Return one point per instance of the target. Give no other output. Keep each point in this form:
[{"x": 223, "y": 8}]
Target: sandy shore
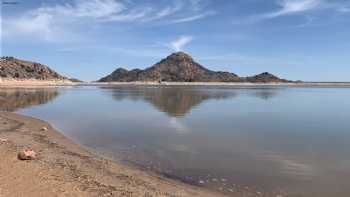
[
  {"x": 34, "y": 82},
  {"x": 42, "y": 83},
  {"x": 63, "y": 168}
]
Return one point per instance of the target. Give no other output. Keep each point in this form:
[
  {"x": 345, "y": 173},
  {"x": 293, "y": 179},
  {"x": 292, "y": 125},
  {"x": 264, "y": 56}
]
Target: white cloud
[
  {"x": 86, "y": 8},
  {"x": 50, "y": 22},
  {"x": 53, "y": 23},
  {"x": 180, "y": 43},
  {"x": 132, "y": 15},
  {"x": 38, "y": 24},
  {"x": 294, "y": 6},
  {"x": 288, "y": 7},
  {"x": 167, "y": 11},
  {"x": 195, "y": 17}
]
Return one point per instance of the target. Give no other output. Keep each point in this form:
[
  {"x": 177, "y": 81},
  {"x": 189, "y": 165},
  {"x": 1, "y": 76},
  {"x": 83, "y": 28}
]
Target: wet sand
[{"x": 63, "y": 168}]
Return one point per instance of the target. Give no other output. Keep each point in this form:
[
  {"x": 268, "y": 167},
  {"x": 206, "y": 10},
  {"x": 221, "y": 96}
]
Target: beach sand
[
  {"x": 8, "y": 82},
  {"x": 63, "y": 168}
]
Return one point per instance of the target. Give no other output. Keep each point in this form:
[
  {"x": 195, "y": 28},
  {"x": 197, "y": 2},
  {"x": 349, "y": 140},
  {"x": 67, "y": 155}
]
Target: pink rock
[{"x": 27, "y": 154}]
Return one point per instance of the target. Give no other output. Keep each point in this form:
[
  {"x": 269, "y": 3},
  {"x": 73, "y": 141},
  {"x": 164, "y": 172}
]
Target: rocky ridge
[
  {"x": 180, "y": 67},
  {"x": 13, "y": 68}
]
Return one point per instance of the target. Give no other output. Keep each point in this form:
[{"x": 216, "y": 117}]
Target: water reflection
[
  {"x": 265, "y": 94},
  {"x": 14, "y": 99},
  {"x": 175, "y": 101},
  {"x": 218, "y": 137}
]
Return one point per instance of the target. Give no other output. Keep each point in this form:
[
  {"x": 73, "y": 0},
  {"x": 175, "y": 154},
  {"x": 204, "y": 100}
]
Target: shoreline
[
  {"x": 57, "y": 83},
  {"x": 226, "y": 84},
  {"x": 4, "y": 82},
  {"x": 65, "y": 168}
]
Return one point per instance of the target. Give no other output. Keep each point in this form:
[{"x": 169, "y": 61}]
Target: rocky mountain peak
[
  {"x": 179, "y": 57},
  {"x": 181, "y": 67},
  {"x": 266, "y": 74},
  {"x": 120, "y": 70}
]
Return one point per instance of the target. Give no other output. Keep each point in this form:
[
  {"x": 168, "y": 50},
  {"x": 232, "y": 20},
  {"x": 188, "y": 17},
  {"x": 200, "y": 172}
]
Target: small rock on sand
[
  {"x": 27, "y": 154},
  {"x": 3, "y": 140},
  {"x": 44, "y": 128}
]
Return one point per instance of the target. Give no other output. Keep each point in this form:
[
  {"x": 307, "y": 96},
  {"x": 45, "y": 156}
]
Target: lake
[{"x": 276, "y": 141}]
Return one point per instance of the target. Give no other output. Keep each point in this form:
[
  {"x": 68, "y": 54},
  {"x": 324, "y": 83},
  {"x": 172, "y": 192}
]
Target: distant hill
[
  {"x": 13, "y": 68},
  {"x": 75, "y": 80},
  {"x": 265, "y": 78},
  {"x": 180, "y": 67}
]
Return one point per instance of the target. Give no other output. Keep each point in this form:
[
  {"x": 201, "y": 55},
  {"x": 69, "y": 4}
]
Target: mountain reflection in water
[
  {"x": 14, "y": 99},
  {"x": 179, "y": 100},
  {"x": 274, "y": 140}
]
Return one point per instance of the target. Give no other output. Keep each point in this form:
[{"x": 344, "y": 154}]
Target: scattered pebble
[
  {"x": 27, "y": 154},
  {"x": 201, "y": 182},
  {"x": 44, "y": 129},
  {"x": 3, "y": 140}
]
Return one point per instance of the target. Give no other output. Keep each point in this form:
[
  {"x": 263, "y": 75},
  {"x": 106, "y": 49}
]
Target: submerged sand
[{"x": 63, "y": 168}]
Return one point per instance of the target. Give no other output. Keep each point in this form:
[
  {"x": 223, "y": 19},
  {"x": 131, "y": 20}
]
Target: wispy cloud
[
  {"x": 36, "y": 26},
  {"x": 194, "y": 17},
  {"x": 180, "y": 43},
  {"x": 48, "y": 22},
  {"x": 87, "y": 9},
  {"x": 53, "y": 23},
  {"x": 296, "y": 7},
  {"x": 167, "y": 11}
]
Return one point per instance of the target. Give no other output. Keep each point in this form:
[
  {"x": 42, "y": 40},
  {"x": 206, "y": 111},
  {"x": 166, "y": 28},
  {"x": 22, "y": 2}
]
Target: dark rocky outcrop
[
  {"x": 11, "y": 67},
  {"x": 265, "y": 78},
  {"x": 180, "y": 67}
]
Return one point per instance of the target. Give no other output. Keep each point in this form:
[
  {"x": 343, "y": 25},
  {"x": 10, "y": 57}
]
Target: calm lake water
[{"x": 274, "y": 141}]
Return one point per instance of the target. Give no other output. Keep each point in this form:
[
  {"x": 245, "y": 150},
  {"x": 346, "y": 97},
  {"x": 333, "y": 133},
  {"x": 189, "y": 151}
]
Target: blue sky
[{"x": 87, "y": 39}]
